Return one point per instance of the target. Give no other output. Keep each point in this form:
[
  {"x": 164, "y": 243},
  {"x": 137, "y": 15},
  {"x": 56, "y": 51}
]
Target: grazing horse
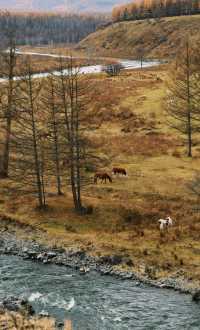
[
  {"x": 119, "y": 170},
  {"x": 103, "y": 177},
  {"x": 165, "y": 223}
]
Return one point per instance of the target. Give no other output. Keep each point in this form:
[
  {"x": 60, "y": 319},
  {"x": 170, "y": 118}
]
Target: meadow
[{"x": 128, "y": 128}]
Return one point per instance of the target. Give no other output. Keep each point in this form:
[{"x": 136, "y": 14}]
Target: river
[
  {"x": 95, "y": 302},
  {"x": 90, "y": 69}
]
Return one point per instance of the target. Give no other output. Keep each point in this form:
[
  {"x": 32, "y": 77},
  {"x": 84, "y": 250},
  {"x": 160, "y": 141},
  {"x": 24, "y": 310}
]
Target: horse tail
[{"x": 109, "y": 178}]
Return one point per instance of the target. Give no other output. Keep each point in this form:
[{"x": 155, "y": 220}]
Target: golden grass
[
  {"x": 129, "y": 130},
  {"x": 13, "y": 321},
  {"x": 16, "y": 321}
]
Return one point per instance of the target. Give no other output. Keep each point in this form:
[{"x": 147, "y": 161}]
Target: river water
[
  {"x": 90, "y": 69},
  {"x": 95, "y": 302}
]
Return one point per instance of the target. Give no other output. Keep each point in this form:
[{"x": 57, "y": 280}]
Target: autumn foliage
[{"x": 142, "y": 9}]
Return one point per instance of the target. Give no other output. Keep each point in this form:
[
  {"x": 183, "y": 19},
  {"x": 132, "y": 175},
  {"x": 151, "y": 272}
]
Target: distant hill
[
  {"x": 60, "y": 5},
  {"x": 154, "y": 38}
]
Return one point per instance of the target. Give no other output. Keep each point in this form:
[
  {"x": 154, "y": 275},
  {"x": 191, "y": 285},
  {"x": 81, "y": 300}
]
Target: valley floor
[{"x": 128, "y": 129}]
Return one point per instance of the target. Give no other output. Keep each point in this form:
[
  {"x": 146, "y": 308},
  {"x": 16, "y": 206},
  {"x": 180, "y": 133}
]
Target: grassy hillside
[
  {"x": 129, "y": 130},
  {"x": 157, "y": 39}
]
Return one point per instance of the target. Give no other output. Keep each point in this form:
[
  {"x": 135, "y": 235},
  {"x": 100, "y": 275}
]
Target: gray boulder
[
  {"x": 196, "y": 296},
  {"x": 14, "y": 304}
]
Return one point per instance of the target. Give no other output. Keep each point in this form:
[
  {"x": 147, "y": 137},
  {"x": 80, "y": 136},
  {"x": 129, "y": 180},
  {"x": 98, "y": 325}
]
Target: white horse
[{"x": 165, "y": 223}]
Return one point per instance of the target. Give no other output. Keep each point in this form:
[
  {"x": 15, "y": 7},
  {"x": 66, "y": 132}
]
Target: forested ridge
[
  {"x": 48, "y": 28},
  {"x": 143, "y": 9}
]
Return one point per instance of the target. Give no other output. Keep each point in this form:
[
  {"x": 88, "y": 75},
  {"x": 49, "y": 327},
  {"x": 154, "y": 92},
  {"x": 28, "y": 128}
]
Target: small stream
[{"x": 95, "y": 302}]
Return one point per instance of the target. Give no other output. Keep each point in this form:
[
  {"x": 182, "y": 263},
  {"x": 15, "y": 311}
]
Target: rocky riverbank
[
  {"x": 78, "y": 259},
  {"x": 18, "y": 313},
  {"x": 17, "y": 305}
]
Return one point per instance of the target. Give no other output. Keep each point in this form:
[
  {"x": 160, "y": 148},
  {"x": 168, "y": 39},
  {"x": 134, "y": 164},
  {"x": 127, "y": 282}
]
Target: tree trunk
[
  {"x": 6, "y": 151},
  {"x": 35, "y": 147},
  {"x": 189, "y": 126},
  {"x": 77, "y": 145},
  {"x": 55, "y": 137}
]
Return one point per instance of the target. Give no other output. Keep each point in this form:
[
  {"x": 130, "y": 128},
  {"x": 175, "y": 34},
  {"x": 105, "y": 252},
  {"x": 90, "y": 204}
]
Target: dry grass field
[{"x": 128, "y": 129}]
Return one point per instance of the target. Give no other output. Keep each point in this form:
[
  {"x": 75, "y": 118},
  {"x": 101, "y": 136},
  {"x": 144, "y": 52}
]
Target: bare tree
[
  {"x": 140, "y": 56},
  {"x": 54, "y": 127},
  {"x": 72, "y": 93},
  {"x": 194, "y": 185},
  {"x": 8, "y": 92},
  {"x": 182, "y": 95},
  {"x": 28, "y": 142}
]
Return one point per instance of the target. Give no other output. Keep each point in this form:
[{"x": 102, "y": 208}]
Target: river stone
[
  {"x": 128, "y": 261},
  {"x": 8, "y": 249},
  {"x": 2, "y": 242},
  {"x": 126, "y": 276},
  {"x": 14, "y": 304},
  {"x": 60, "y": 324},
  {"x": 111, "y": 260},
  {"x": 105, "y": 270},
  {"x": 79, "y": 253},
  {"x": 44, "y": 314},
  {"x": 40, "y": 256},
  {"x": 32, "y": 253},
  {"x": 196, "y": 296},
  {"x": 84, "y": 270},
  {"x": 51, "y": 255},
  {"x": 59, "y": 249}
]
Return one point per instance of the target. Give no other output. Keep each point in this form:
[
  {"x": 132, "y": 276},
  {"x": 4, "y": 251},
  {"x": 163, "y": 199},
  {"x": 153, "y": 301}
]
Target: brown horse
[
  {"x": 119, "y": 170},
  {"x": 103, "y": 177}
]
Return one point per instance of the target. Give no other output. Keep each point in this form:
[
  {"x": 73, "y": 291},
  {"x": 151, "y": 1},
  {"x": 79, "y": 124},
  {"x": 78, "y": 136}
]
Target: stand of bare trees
[
  {"x": 71, "y": 92},
  {"x": 28, "y": 145},
  {"x": 51, "y": 113},
  {"x": 42, "y": 125},
  {"x": 48, "y": 146},
  {"x": 48, "y": 28}
]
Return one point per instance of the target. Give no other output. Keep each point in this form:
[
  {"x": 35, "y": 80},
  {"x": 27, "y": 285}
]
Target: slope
[{"x": 154, "y": 38}]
